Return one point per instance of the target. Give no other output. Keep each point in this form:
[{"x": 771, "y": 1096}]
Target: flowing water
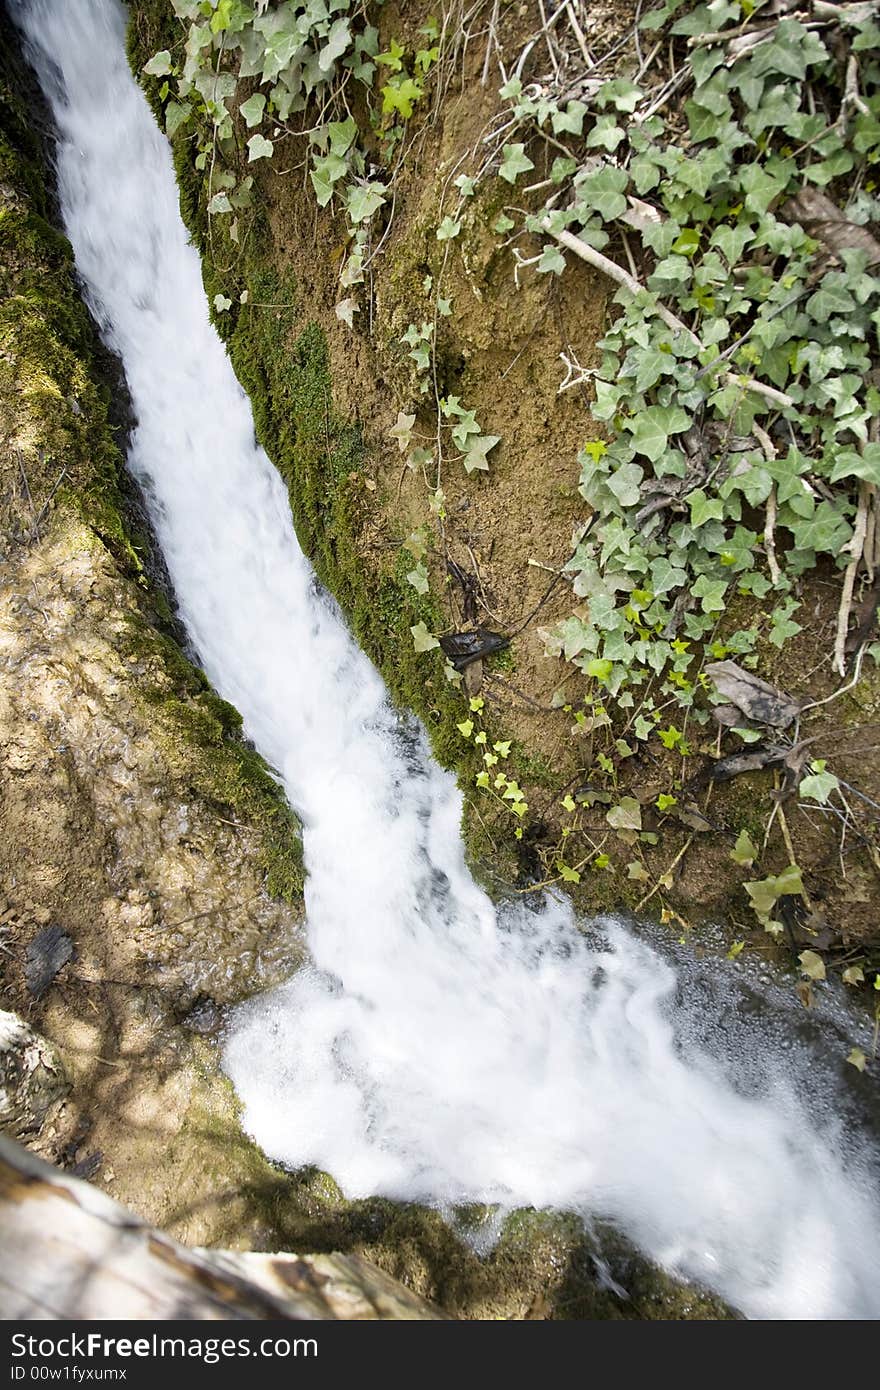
[{"x": 437, "y": 1048}]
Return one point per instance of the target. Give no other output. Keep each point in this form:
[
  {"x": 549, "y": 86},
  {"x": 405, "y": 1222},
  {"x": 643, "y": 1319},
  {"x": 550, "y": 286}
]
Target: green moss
[{"x": 56, "y": 384}]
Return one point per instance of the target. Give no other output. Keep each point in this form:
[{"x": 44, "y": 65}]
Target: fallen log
[{"x": 68, "y": 1251}]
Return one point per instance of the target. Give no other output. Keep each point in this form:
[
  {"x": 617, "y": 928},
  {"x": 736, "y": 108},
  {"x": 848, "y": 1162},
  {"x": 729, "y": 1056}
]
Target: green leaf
[
  {"x": 475, "y": 458},
  {"x": 745, "y": 851},
  {"x": 448, "y": 229},
  {"x": 176, "y": 112},
  {"x": 819, "y": 784},
  {"x": 259, "y": 148},
  {"x": 625, "y": 816},
  {"x": 551, "y": 261},
  {"x": 423, "y": 640},
  {"x": 625, "y": 483},
  {"x": 221, "y": 303},
  {"x": 364, "y": 199},
  {"x": 652, "y": 427},
  {"x": 866, "y": 465},
  {"x": 400, "y": 95},
  {"x": 392, "y": 59},
  {"x": 160, "y": 64},
  {"x": 829, "y": 299},
  {"x": 704, "y": 508},
  {"x": 710, "y": 593},
  {"x": 666, "y": 576},
  {"x": 606, "y": 134},
  {"x": 571, "y": 120},
  {"x": 338, "y": 42},
  {"x": 253, "y": 109},
  {"x": 603, "y": 192},
  {"x": 418, "y": 578},
  {"x": 341, "y": 135},
  {"x": 514, "y": 161}
]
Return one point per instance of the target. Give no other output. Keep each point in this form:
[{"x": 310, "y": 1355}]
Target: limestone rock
[{"x": 32, "y": 1078}]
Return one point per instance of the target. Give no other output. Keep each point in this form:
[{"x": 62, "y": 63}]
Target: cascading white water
[{"x": 436, "y": 1049}]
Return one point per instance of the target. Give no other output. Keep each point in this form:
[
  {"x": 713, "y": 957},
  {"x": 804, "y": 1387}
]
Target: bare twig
[
  {"x": 855, "y": 548},
  {"x": 770, "y": 537}
]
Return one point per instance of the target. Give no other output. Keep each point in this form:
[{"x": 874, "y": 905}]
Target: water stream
[{"x": 437, "y": 1047}]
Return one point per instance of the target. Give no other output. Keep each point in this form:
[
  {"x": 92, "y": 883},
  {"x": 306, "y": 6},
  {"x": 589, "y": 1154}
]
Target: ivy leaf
[
  {"x": 857, "y": 1058},
  {"x": 423, "y": 640},
  {"x": 603, "y": 192},
  {"x": 745, "y": 851},
  {"x": 812, "y": 965},
  {"x": 829, "y": 299},
  {"x": 710, "y": 592},
  {"x": 364, "y": 199},
  {"x": 465, "y": 426},
  {"x": 704, "y": 508},
  {"x": 176, "y": 112},
  {"x": 625, "y": 816},
  {"x": 827, "y": 530},
  {"x": 475, "y": 458},
  {"x": 503, "y": 224},
  {"x": 219, "y": 203},
  {"x": 401, "y": 430},
  {"x": 819, "y": 784},
  {"x": 666, "y": 576},
  {"x": 160, "y": 64},
  {"x": 346, "y": 310},
  {"x": 853, "y": 975},
  {"x": 259, "y": 148},
  {"x": 338, "y": 42},
  {"x": 253, "y": 109},
  {"x": 418, "y": 578},
  {"x": 571, "y": 120},
  {"x": 341, "y": 135},
  {"x": 606, "y": 134},
  {"x": 448, "y": 229},
  {"x": 221, "y": 303},
  {"x": 552, "y": 260},
  {"x": 652, "y": 427},
  {"x": 401, "y": 95},
  {"x": 625, "y": 483},
  {"x": 866, "y": 465},
  {"x": 514, "y": 161},
  {"x": 393, "y": 58}
]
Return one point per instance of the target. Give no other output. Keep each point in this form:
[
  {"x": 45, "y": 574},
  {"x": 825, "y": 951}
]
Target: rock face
[{"x": 32, "y": 1077}]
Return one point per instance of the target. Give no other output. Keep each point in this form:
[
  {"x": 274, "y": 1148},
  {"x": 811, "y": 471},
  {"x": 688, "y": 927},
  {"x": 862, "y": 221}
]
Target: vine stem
[{"x": 855, "y": 548}]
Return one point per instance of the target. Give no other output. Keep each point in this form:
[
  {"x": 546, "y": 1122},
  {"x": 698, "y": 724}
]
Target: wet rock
[
  {"x": 32, "y": 1078},
  {"x": 48, "y": 953},
  {"x": 204, "y": 1017}
]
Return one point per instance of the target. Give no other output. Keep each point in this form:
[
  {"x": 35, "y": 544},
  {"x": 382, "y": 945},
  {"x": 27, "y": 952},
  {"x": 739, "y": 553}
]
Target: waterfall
[{"x": 437, "y": 1047}]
